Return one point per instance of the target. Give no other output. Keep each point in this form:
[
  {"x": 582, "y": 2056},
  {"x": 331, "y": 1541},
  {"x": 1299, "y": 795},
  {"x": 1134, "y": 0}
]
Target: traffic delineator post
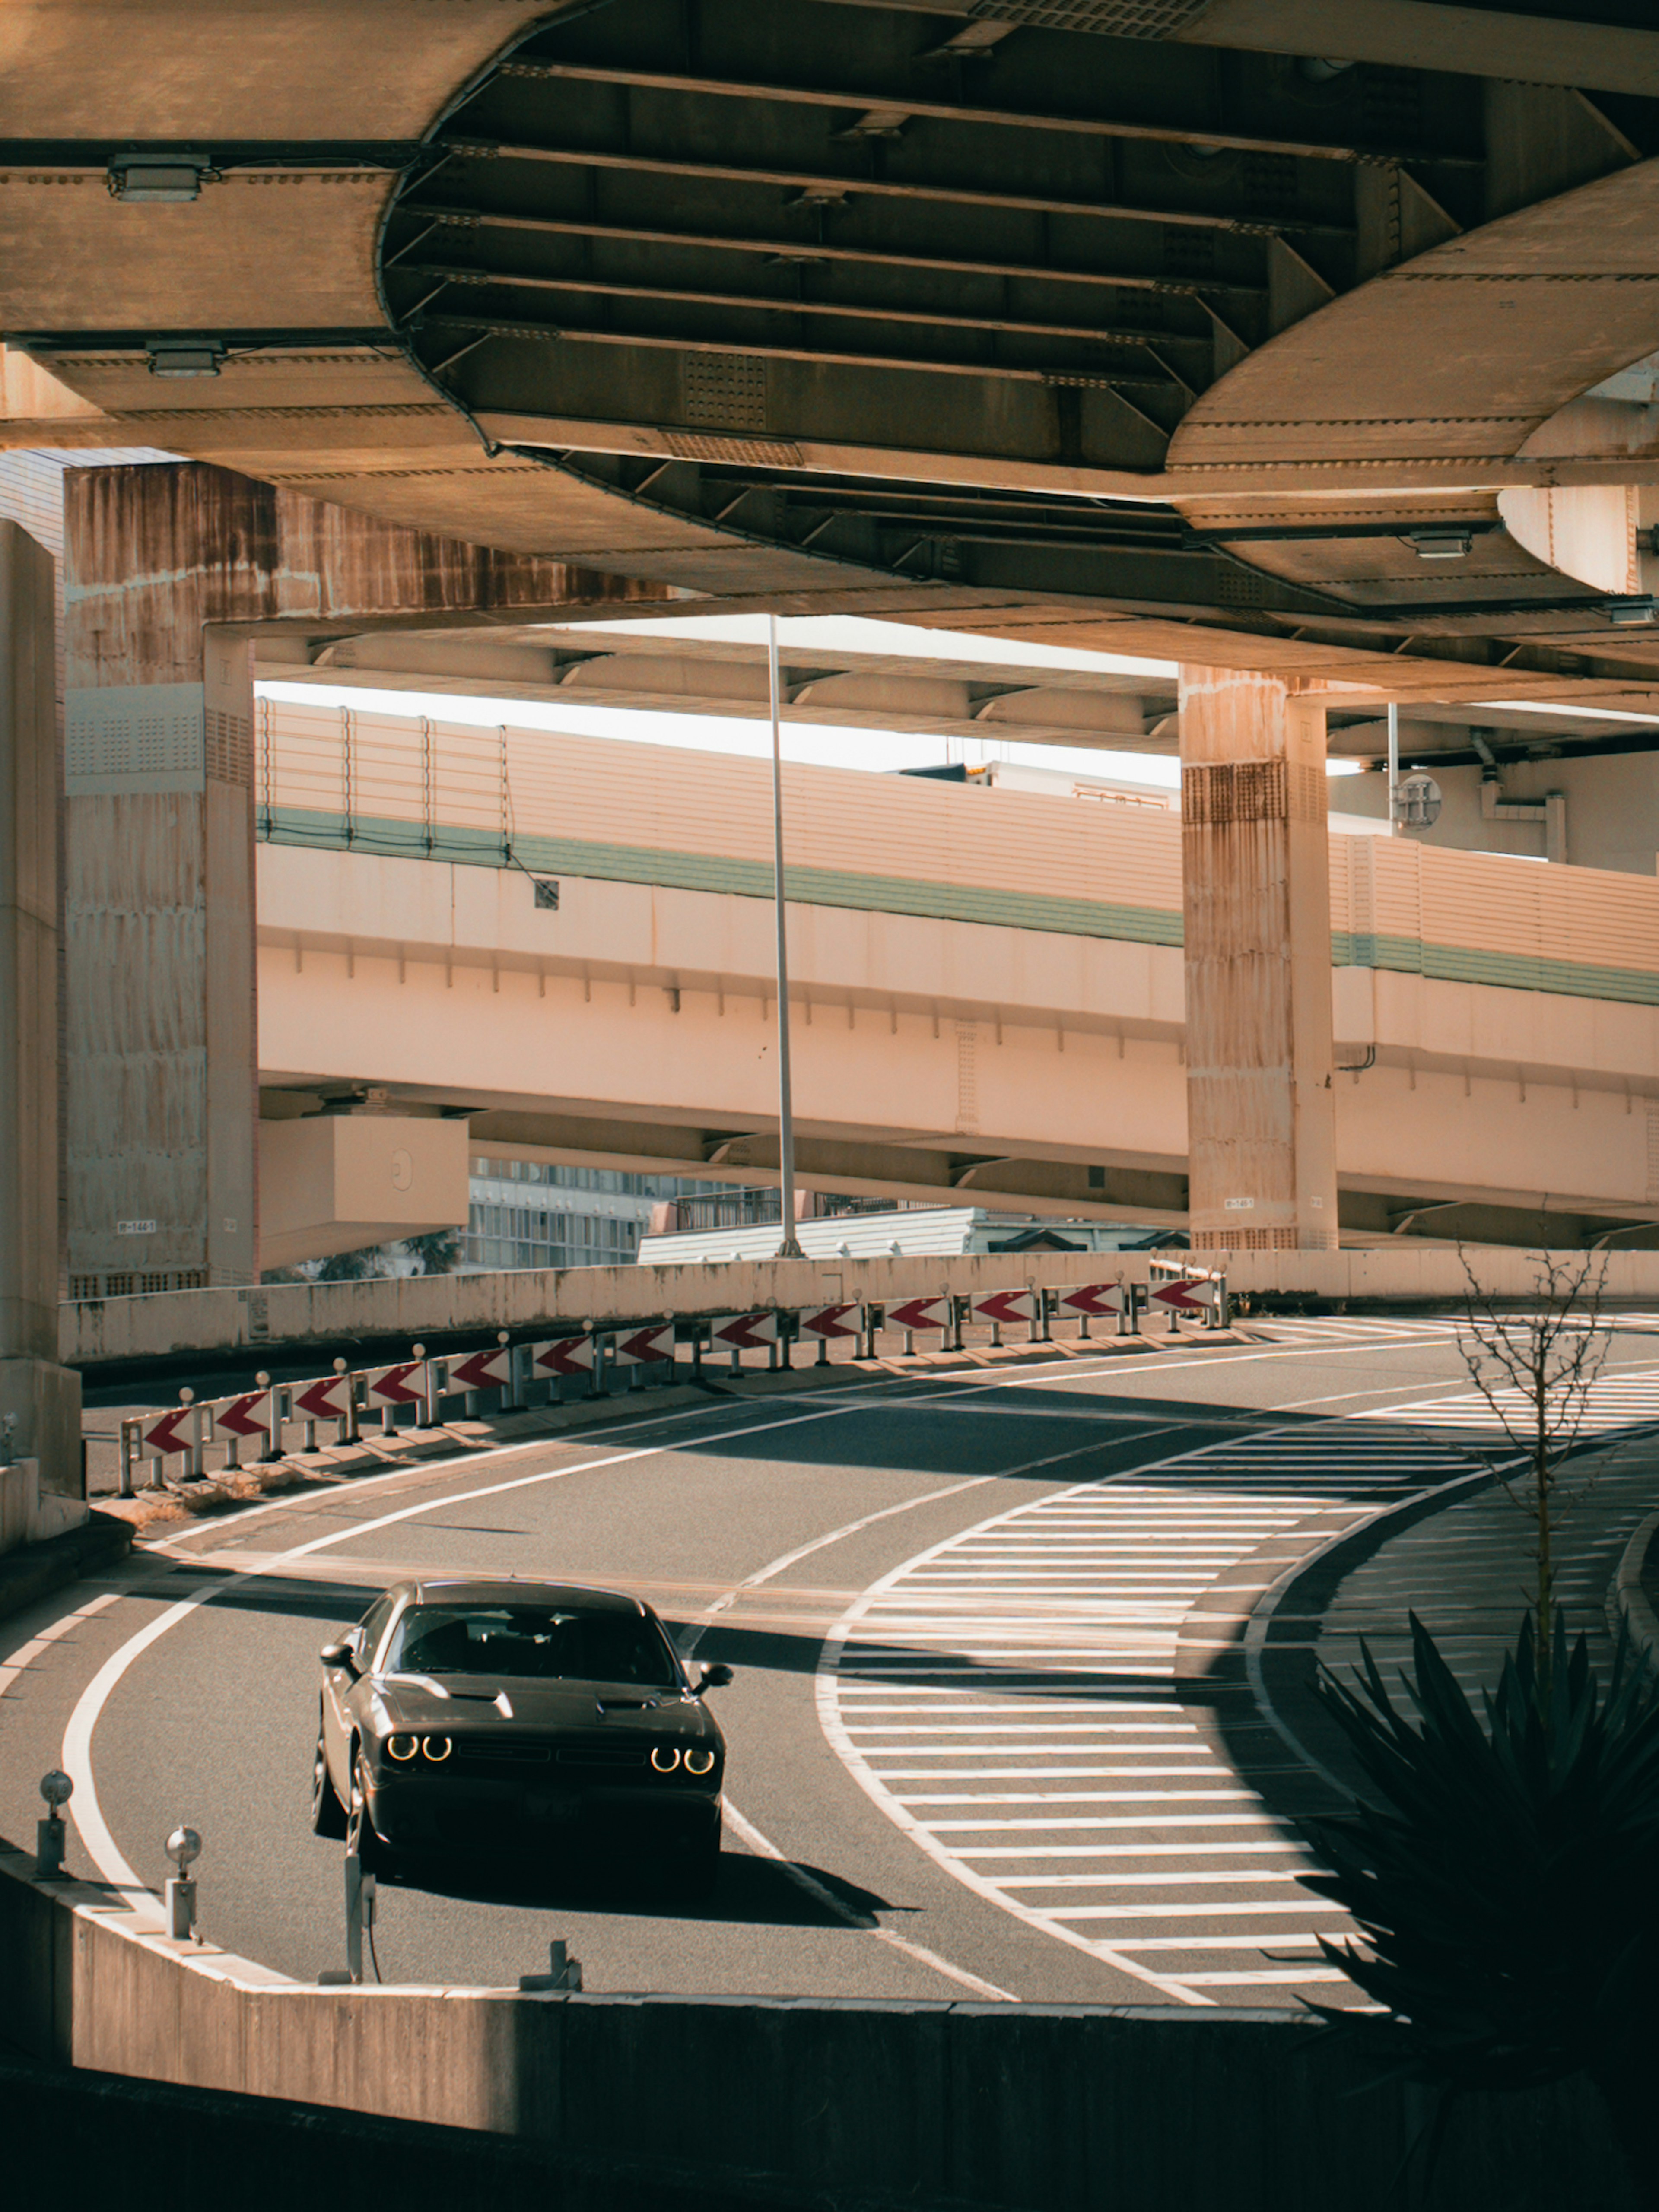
[
  {"x": 482, "y": 1370},
  {"x": 328, "y": 1398},
  {"x": 252, "y": 1414},
  {"x": 644, "y": 1348},
  {"x": 829, "y": 1323},
  {"x": 175, "y": 1432},
  {"x": 998, "y": 1307},
  {"x": 1093, "y": 1301},
  {"x": 741, "y": 1332},
  {"x": 912, "y": 1314},
  {"x": 405, "y": 1384}
]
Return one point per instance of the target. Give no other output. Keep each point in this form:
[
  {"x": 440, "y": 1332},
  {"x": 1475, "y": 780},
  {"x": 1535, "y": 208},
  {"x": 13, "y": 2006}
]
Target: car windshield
[{"x": 537, "y": 1643}]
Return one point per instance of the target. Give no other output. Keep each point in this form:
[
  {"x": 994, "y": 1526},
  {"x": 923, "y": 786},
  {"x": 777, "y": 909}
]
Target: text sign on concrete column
[
  {"x": 397, "y": 1386},
  {"x": 564, "y": 1355},
  {"x": 1092, "y": 1299},
  {"x": 165, "y": 1435},
  {"x": 830, "y": 1322},
  {"x": 483, "y": 1370},
  {"x": 327, "y": 1401},
  {"x": 919, "y": 1313},
  {"x": 745, "y": 1332},
  {"x": 1004, "y": 1306},
  {"x": 642, "y": 1347},
  {"x": 243, "y": 1417}
]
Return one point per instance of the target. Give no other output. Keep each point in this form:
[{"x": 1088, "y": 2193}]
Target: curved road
[{"x": 989, "y": 1733}]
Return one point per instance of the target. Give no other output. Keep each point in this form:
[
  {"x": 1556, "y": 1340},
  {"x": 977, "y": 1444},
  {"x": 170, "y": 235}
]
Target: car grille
[
  {"x": 500, "y": 1751},
  {"x": 516, "y": 1753}
]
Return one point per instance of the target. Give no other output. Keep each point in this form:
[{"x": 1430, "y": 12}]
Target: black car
[{"x": 457, "y": 1714}]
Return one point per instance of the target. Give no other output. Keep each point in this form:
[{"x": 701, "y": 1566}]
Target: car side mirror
[
  {"x": 341, "y": 1654},
  {"x": 713, "y": 1678}
]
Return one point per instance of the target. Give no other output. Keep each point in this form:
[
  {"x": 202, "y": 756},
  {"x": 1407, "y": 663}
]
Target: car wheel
[
  {"x": 362, "y": 1839},
  {"x": 328, "y": 1816}
]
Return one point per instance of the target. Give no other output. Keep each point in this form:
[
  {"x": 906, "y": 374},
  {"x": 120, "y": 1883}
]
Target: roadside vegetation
[{"x": 1499, "y": 1857}]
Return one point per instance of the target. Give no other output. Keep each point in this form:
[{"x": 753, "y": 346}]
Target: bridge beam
[
  {"x": 39, "y": 1400},
  {"x": 1255, "y": 862}
]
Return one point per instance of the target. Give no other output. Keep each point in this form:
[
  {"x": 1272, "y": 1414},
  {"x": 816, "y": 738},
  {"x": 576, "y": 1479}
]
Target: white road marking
[
  {"x": 1089, "y": 1588},
  {"x": 95, "y": 1829}
]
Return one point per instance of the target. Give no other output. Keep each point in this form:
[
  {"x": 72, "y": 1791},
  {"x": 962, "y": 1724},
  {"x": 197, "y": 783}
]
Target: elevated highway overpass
[
  {"x": 987, "y": 989},
  {"x": 1142, "y": 325}
]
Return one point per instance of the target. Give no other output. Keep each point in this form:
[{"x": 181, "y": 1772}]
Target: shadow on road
[{"x": 753, "y": 1892}]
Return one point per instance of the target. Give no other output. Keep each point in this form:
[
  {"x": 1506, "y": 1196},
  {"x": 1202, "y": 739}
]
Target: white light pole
[{"x": 789, "y": 1248}]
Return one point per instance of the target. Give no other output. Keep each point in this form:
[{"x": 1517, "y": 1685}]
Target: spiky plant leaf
[{"x": 1502, "y": 1865}]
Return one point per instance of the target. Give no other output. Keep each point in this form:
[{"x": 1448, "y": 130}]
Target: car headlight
[
  {"x": 436, "y": 1748},
  {"x": 403, "y": 1748},
  {"x": 665, "y": 1757},
  {"x": 699, "y": 1762}
]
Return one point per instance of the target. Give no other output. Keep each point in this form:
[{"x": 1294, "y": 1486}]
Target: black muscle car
[{"x": 460, "y": 1714}]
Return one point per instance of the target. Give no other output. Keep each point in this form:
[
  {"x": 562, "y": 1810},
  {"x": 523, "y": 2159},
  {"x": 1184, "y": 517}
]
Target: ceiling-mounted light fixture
[
  {"x": 183, "y": 356},
  {"x": 160, "y": 177},
  {"x": 1450, "y": 544}
]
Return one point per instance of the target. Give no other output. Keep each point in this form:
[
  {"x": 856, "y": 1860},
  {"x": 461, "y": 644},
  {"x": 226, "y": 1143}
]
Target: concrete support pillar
[
  {"x": 39, "y": 1400},
  {"x": 162, "y": 1091},
  {"x": 1256, "y": 901}
]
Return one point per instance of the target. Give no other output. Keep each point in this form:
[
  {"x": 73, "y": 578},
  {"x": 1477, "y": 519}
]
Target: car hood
[{"x": 453, "y": 1702}]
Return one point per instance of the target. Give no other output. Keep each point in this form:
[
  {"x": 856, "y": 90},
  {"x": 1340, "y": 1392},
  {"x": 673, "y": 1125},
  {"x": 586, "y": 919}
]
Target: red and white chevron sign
[
  {"x": 750, "y": 1331},
  {"x": 1179, "y": 1296},
  {"x": 1004, "y": 1306},
  {"x": 919, "y": 1313},
  {"x": 1093, "y": 1298},
  {"x": 172, "y": 1433},
  {"x": 244, "y": 1417},
  {"x": 829, "y": 1321},
  {"x": 397, "y": 1386},
  {"x": 327, "y": 1401},
  {"x": 564, "y": 1355},
  {"x": 482, "y": 1370},
  {"x": 642, "y": 1347}
]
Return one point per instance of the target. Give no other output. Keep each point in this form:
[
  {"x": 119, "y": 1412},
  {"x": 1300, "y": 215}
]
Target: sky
[{"x": 817, "y": 744}]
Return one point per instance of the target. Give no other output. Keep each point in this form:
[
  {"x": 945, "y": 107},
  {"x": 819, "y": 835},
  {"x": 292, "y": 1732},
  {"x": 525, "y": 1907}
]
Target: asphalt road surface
[{"x": 988, "y": 1735}]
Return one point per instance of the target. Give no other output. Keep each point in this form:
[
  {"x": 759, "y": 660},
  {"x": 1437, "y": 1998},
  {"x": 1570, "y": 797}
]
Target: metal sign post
[{"x": 789, "y": 1247}]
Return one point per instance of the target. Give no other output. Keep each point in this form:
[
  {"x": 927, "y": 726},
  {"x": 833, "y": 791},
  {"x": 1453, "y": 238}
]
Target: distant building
[
  {"x": 533, "y": 1213},
  {"x": 905, "y": 1232}
]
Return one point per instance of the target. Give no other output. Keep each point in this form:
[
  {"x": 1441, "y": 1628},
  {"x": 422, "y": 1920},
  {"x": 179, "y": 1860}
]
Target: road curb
[
  {"x": 1628, "y": 1609},
  {"x": 39, "y": 1569}
]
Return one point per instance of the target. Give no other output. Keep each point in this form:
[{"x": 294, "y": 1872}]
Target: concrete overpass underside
[
  {"x": 1136, "y": 325},
  {"x": 1143, "y": 326}
]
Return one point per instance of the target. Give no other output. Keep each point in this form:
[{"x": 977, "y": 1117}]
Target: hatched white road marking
[{"x": 1039, "y": 1649}]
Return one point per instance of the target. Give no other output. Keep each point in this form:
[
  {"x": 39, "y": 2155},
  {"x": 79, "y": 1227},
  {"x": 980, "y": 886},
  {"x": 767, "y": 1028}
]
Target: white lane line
[
  {"x": 764, "y": 1848},
  {"x": 77, "y": 1759},
  {"x": 77, "y": 1744},
  {"x": 95, "y": 1829}
]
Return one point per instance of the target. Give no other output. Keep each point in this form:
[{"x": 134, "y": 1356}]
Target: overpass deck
[{"x": 1498, "y": 1020}]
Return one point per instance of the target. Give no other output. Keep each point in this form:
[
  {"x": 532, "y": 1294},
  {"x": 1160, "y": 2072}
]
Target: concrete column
[
  {"x": 39, "y": 1400},
  {"x": 1261, "y": 1137},
  {"x": 163, "y": 1092}
]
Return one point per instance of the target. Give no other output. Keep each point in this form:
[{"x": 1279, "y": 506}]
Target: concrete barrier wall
[
  {"x": 335, "y": 1316},
  {"x": 30, "y": 1515},
  {"x": 1064, "y": 2108}
]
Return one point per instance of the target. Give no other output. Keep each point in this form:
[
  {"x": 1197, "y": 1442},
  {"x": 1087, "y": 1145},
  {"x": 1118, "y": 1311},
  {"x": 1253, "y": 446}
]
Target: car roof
[{"x": 572, "y": 1597}]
